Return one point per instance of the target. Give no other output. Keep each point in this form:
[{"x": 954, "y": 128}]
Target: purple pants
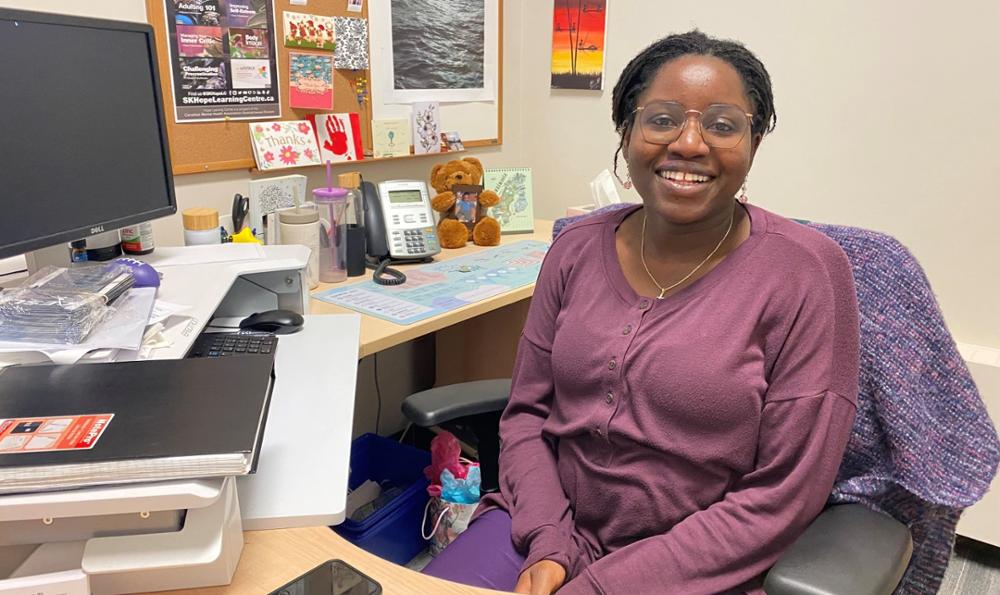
[{"x": 482, "y": 556}]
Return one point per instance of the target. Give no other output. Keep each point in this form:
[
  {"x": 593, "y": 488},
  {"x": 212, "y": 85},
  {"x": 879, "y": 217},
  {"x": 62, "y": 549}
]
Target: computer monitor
[{"x": 83, "y": 140}]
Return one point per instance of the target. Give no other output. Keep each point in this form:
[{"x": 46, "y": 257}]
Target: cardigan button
[{"x": 627, "y": 329}]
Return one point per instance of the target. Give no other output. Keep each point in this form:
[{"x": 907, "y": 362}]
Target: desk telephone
[{"x": 399, "y": 227}]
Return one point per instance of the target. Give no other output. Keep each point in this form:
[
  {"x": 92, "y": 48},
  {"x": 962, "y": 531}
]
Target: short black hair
[{"x": 639, "y": 72}]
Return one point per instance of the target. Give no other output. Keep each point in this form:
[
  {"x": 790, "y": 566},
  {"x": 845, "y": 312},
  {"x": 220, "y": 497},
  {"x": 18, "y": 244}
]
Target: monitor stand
[{"x": 57, "y": 256}]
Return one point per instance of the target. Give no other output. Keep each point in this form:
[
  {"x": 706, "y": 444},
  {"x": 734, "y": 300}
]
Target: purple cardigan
[{"x": 923, "y": 447}]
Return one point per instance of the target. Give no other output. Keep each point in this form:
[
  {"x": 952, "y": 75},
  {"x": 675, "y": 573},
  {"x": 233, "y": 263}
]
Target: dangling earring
[
  {"x": 742, "y": 197},
  {"x": 627, "y": 182}
]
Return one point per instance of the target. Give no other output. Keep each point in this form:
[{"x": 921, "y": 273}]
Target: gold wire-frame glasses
[{"x": 721, "y": 125}]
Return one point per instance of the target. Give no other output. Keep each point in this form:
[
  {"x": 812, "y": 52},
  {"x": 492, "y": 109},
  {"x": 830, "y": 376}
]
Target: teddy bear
[{"x": 453, "y": 233}]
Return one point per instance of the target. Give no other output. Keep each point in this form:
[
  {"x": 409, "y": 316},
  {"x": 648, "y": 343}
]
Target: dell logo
[{"x": 98, "y": 229}]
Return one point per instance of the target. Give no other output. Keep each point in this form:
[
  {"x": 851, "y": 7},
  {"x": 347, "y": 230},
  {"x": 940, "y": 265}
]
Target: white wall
[{"x": 889, "y": 118}]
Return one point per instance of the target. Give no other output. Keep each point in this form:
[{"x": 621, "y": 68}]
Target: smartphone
[{"x": 333, "y": 577}]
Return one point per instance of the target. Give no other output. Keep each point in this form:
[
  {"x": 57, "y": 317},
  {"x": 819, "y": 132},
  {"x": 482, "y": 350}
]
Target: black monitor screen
[{"x": 82, "y": 135}]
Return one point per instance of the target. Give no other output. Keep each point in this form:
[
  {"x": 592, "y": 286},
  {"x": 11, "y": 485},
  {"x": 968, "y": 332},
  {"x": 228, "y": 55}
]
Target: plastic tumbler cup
[{"x": 332, "y": 203}]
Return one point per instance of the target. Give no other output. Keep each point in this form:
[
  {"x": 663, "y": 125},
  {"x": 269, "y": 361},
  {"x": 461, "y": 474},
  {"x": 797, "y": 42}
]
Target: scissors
[{"x": 241, "y": 206}]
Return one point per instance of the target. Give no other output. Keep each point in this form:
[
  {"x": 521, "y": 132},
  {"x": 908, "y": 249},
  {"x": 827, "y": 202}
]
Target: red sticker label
[{"x": 43, "y": 434}]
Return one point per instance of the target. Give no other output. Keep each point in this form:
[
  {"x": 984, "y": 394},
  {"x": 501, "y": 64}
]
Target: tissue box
[{"x": 579, "y": 210}]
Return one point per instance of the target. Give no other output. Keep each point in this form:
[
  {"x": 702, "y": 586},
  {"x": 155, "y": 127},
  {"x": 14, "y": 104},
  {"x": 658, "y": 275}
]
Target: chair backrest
[{"x": 923, "y": 446}]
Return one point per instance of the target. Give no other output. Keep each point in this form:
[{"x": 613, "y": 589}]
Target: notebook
[{"x": 93, "y": 424}]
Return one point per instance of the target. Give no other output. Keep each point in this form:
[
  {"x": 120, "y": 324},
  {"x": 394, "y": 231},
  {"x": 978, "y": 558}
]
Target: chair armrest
[
  {"x": 436, "y": 406},
  {"x": 847, "y": 549}
]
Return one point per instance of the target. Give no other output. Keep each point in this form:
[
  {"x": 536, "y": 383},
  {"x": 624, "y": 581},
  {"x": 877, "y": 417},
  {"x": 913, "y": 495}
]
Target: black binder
[{"x": 172, "y": 419}]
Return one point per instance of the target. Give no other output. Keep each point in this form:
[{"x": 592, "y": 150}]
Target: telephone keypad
[{"x": 414, "y": 242}]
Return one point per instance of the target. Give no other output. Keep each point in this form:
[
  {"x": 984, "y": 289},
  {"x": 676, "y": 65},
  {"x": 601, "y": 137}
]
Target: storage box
[{"x": 393, "y": 531}]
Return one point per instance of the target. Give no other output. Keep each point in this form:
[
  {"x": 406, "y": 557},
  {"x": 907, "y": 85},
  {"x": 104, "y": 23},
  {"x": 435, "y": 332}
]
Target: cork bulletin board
[{"x": 199, "y": 147}]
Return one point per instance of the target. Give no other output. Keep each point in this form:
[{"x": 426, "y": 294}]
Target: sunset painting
[{"x": 578, "y": 44}]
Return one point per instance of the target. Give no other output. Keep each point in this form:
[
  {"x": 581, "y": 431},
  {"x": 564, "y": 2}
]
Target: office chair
[{"x": 890, "y": 521}]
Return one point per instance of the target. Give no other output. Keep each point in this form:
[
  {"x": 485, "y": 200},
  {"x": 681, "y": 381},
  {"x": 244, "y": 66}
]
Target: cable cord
[{"x": 381, "y": 268}]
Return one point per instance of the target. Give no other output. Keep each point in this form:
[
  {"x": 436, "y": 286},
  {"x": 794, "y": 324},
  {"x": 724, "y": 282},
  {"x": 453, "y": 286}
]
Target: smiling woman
[{"x": 687, "y": 378}]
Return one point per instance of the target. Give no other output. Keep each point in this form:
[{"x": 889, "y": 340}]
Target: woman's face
[{"x": 695, "y": 82}]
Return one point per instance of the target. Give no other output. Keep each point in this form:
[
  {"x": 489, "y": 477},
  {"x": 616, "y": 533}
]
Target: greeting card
[
  {"x": 278, "y": 145},
  {"x": 513, "y": 185},
  {"x": 391, "y": 138},
  {"x": 352, "y": 43},
  {"x": 267, "y": 196},
  {"x": 310, "y": 81},
  {"x": 426, "y": 128},
  {"x": 309, "y": 31},
  {"x": 339, "y": 137}
]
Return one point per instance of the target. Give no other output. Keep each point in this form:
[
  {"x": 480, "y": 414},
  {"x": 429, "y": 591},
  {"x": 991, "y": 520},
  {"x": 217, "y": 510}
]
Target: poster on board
[{"x": 222, "y": 60}]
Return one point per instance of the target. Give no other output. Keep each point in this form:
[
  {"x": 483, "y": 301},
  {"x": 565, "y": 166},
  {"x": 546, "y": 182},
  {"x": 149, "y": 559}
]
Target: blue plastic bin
[{"x": 393, "y": 531}]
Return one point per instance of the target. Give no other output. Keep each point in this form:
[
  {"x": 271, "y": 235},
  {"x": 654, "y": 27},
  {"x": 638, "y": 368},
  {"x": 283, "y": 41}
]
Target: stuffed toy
[{"x": 453, "y": 233}]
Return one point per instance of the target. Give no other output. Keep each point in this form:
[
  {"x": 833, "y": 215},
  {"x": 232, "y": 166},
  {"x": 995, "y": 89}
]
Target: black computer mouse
[{"x": 279, "y": 322}]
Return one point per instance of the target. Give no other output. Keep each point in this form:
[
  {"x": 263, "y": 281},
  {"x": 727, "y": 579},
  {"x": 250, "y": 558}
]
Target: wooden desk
[
  {"x": 272, "y": 558},
  {"x": 378, "y": 334}
]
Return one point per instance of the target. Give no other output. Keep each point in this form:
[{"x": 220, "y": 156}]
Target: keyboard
[{"x": 229, "y": 344}]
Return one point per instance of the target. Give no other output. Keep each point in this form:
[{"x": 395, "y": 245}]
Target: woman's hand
[{"x": 541, "y": 578}]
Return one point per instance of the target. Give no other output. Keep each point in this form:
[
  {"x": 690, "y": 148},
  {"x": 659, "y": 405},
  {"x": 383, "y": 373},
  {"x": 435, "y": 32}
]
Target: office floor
[{"x": 974, "y": 569}]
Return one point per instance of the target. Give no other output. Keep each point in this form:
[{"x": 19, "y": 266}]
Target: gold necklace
[{"x": 642, "y": 256}]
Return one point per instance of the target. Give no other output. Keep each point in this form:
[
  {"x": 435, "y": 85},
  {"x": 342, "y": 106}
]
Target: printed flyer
[{"x": 223, "y": 59}]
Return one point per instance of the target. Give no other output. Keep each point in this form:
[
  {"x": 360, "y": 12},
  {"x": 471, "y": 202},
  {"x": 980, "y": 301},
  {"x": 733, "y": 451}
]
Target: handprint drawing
[{"x": 336, "y": 141}]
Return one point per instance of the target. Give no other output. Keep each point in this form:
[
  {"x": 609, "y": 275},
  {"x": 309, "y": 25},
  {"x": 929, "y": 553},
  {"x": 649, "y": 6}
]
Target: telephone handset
[{"x": 399, "y": 226}]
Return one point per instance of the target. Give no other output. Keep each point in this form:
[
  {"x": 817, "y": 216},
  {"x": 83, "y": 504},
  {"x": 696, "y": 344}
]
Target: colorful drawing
[
  {"x": 310, "y": 81},
  {"x": 578, "y": 28},
  {"x": 339, "y": 137},
  {"x": 309, "y": 31}
]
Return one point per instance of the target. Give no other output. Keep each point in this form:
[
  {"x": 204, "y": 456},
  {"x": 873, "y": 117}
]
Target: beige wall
[{"x": 888, "y": 119}]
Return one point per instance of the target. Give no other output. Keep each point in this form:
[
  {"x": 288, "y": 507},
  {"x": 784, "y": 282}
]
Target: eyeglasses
[{"x": 722, "y": 126}]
